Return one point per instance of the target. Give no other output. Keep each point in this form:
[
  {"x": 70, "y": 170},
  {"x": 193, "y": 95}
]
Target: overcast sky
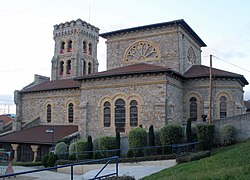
[{"x": 27, "y": 43}]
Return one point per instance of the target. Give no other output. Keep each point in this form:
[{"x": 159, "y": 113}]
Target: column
[
  {"x": 15, "y": 147},
  {"x": 34, "y": 149}
]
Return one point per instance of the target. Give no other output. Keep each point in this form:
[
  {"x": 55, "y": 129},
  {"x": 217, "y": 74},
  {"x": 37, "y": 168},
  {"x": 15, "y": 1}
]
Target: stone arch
[
  {"x": 200, "y": 104},
  {"x": 229, "y": 102}
]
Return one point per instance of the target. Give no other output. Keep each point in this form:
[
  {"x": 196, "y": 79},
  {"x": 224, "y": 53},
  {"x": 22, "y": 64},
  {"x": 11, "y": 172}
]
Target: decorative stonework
[
  {"x": 142, "y": 51},
  {"x": 191, "y": 55}
]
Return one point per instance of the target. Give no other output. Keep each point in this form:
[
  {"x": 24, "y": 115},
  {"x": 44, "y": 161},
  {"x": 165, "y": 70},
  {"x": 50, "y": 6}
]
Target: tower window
[
  {"x": 133, "y": 113},
  {"x": 61, "y": 67},
  {"x": 89, "y": 68},
  {"x": 70, "y": 46},
  {"x": 69, "y": 67},
  {"x": 107, "y": 114},
  {"x": 90, "y": 49},
  {"x": 84, "y": 68},
  {"x": 223, "y": 107},
  {"x": 193, "y": 108},
  {"x": 120, "y": 115},
  {"x": 70, "y": 113},
  {"x": 84, "y": 47},
  {"x": 48, "y": 113},
  {"x": 62, "y": 47}
]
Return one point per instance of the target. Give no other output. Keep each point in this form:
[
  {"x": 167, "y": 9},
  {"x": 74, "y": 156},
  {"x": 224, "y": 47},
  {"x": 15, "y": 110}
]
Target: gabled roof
[
  {"x": 141, "y": 68},
  {"x": 53, "y": 85},
  {"x": 198, "y": 71},
  {"x": 180, "y": 22},
  {"x": 6, "y": 119},
  {"x": 38, "y": 135}
]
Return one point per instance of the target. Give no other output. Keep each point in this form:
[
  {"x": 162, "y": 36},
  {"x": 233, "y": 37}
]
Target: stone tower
[{"x": 75, "y": 51}]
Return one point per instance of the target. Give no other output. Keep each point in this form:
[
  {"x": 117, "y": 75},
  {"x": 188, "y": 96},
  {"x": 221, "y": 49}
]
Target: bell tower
[{"x": 75, "y": 52}]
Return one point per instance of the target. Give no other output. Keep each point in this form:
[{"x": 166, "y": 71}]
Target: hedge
[
  {"x": 205, "y": 133},
  {"x": 170, "y": 134},
  {"x": 227, "y": 134},
  {"x": 137, "y": 138}
]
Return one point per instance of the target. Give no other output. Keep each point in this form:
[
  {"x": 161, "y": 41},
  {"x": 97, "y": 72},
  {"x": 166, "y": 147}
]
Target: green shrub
[
  {"x": 118, "y": 143},
  {"x": 72, "y": 148},
  {"x": 27, "y": 164},
  {"x": 45, "y": 160},
  {"x": 158, "y": 142},
  {"x": 193, "y": 157},
  {"x": 81, "y": 147},
  {"x": 130, "y": 153},
  {"x": 227, "y": 134},
  {"x": 194, "y": 136},
  {"x": 66, "y": 140},
  {"x": 52, "y": 160},
  {"x": 61, "y": 150},
  {"x": 90, "y": 147},
  {"x": 205, "y": 133},
  {"x": 170, "y": 134},
  {"x": 137, "y": 138},
  {"x": 107, "y": 143},
  {"x": 151, "y": 136},
  {"x": 189, "y": 130}
]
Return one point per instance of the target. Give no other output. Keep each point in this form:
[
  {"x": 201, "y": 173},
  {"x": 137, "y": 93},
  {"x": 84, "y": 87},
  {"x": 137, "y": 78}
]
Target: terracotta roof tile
[
  {"x": 6, "y": 119},
  {"x": 53, "y": 85},
  {"x": 128, "y": 70},
  {"x": 197, "y": 71},
  {"x": 38, "y": 135}
]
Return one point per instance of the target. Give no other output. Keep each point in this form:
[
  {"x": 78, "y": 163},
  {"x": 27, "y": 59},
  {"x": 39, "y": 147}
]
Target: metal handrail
[{"x": 72, "y": 165}]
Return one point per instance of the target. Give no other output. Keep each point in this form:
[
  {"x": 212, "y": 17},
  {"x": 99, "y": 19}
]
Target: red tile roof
[
  {"x": 6, "y": 119},
  {"x": 198, "y": 71},
  {"x": 128, "y": 70},
  {"x": 38, "y": 135},
  {"x": 53, "y": 85}
]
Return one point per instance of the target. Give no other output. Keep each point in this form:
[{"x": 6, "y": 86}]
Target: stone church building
[{"x": 154, "y": 77}]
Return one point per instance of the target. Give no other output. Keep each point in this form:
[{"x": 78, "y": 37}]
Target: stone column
[
  {"x": 15, "y": 147},
  {"x": 34, "y": 149}
]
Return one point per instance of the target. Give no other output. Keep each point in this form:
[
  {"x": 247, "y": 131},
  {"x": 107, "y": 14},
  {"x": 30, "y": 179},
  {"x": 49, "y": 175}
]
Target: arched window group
[
  {"x": 49, "y": 113},
  {"x": 123, "y": 114},
  {"x": 68, "y": 67},
  {"x": 87, "y": 48},
  {"x": 87, "y": 68},
  {"x": 69, "y": 46}
]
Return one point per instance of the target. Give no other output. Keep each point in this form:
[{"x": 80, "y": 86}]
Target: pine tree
[
  {"x": 189, "y": 130},
  {"x": 90, "y": 147},
  {"x": 118, "y": 143}
]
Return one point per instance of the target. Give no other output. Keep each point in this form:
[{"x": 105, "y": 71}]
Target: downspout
[{"x": 178, "y": 42}]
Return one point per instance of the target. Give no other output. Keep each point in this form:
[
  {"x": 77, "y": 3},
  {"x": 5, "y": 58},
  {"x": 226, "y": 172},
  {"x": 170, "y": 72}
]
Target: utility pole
[{"x": 210, "y": 94}]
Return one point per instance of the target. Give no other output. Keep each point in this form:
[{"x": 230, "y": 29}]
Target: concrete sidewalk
[{"x": 137, "y": 170}]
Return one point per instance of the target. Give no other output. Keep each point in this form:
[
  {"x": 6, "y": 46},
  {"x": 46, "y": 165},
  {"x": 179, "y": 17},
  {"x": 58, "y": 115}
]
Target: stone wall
[
  {"x": 173, "y": 44},
  {"x": 240, "y": 122}
]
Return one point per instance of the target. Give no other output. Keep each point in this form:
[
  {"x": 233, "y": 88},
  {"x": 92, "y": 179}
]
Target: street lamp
[{"x": 52, "y": 132}]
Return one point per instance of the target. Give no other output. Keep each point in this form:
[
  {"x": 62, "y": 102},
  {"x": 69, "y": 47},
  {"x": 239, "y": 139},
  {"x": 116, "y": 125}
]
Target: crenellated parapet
[{"x": 76, "y": 27}]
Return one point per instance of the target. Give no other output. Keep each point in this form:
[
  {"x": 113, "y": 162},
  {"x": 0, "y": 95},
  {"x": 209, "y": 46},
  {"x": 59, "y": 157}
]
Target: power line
[{"x": 231, "y": 63}]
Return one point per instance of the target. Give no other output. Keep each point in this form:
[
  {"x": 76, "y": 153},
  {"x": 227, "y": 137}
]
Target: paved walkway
[{"x": 137, "y": 170}]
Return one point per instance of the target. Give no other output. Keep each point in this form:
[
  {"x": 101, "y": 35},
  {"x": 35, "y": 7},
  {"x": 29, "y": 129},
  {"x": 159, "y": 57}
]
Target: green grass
[{"x": 231, "y": 162}]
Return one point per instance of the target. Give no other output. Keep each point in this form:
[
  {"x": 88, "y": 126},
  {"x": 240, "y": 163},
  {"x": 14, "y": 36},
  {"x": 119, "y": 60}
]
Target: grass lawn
[{"x": 231, "y": 162}]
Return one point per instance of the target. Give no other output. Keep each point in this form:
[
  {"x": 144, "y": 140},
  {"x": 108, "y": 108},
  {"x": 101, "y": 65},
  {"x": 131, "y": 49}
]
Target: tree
[
  {"x": 90, "y": 147},
  {"x": 118, "y": 143},
  {"x": 189, "y": 130}
]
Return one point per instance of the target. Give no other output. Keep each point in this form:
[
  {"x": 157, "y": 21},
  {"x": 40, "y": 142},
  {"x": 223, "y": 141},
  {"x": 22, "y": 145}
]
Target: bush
[
  {"x": 45, "y": 160},
  {"x": 170, "y": 134},
  {"x": 81, "y": 147},
  {"x": 66, "y": 140},
  {"x": 72, "y": 148},
  {"x": 118, "y": 143},
  {"x": 137, "y": 138},
  {"x": 205, "y": 133},
  {"x": 90, "y": 147},
  {"x": 227, "y": 135},
  {"x": 61, "y": 150},
  {"x": 193, "y": 157},
  {"x": 52, "y": 160},
  {"x": 107, "y": 143},
  {"x": 189, "y": 130},
  {"x": 72, "y": 157}
]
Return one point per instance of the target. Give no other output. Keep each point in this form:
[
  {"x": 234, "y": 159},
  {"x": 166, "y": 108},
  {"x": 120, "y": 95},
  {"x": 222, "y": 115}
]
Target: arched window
[
  {"x": 84, "y": 68},
  {"x": 69, "y": 67},
  {"x": 223, "y": 107},
  {"x": 89, "y": 68},
  {"x": 133, "y": 113},
  {"x": 193, "y": 108},
  {"x": 70, "y": 113},
  {"x": 191, "y": 55},
  {"x": 61, "y": 67},
  {"x": 106, "y": 114},
  {"x": 62, "y": 47},
  {"x": 120, "y": 115},
  {"x": 84, "y": 47},
  {"x": 90, "y": 49},
  {"x": 70, "y": 46},
  {"x": 48, "y": 113}
]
